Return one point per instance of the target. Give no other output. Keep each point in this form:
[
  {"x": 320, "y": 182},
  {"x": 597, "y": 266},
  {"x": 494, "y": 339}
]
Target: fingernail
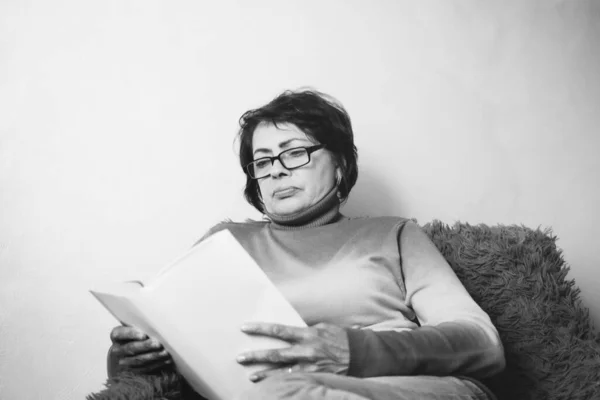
[
  {"x": 248, "y": 327},
  {"x": 253, "y": 378},
  {"x": 140, "y": 333},
  {"x": 241, "y": 359}
]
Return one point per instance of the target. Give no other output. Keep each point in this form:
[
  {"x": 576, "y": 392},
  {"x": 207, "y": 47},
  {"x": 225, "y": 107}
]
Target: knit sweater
[{"x": 384, "y": 281}]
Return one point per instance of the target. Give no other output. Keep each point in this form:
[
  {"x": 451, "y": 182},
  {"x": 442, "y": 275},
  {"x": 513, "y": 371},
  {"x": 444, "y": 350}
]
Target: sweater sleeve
[{"x": 455, "y": 337}]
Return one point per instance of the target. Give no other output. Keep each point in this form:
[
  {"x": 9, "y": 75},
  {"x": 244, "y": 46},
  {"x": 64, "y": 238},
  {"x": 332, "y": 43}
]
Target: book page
[
  {"x": 197, "y": 305},
  {"x": 118, "y": 299}
]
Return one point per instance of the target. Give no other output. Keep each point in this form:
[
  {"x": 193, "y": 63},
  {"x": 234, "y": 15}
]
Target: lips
[{"x": 286, "y": 191}]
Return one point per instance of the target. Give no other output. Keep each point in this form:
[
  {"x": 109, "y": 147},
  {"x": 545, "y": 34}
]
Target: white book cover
[{"x": 196, "y": 306}]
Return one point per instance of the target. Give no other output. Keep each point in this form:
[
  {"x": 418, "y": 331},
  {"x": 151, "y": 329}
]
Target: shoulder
[
  {"x": 390, "y": 227},
  {"x": 235, "y": 227},
  {"x": 383, "y": 222},
  {"x": 412, "y": 236}
]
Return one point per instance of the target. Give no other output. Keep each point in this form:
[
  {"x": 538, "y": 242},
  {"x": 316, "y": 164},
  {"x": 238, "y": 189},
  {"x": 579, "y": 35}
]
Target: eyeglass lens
[{"x": 292, "y": 158}]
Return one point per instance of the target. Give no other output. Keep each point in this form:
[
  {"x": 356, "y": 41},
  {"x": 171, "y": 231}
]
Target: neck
[{"x": 325, "y": 211}]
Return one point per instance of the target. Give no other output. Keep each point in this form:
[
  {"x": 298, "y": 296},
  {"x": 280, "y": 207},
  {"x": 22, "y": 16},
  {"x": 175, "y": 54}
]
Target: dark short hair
[{"x": 319, "y": 116}]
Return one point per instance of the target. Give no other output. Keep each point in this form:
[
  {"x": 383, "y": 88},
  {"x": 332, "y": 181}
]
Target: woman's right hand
[{"x": 133, "y": 350}]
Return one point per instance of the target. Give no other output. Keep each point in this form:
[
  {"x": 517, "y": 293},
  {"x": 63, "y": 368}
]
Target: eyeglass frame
[{"x": 309, "y": 151}]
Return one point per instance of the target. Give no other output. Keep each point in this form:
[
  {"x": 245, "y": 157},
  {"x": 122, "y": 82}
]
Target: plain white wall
[{"x": 118, "y": 118}]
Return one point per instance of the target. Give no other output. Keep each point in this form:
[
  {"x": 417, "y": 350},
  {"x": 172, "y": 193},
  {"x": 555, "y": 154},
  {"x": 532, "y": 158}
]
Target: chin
[{"x": 286, "y": 206}]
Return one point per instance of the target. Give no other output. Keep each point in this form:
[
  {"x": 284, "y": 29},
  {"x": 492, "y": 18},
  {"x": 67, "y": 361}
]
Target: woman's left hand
[{"x": 319, "y": 348}]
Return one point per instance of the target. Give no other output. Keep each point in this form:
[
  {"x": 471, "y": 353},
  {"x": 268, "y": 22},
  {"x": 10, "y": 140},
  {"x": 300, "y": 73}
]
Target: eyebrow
[{"x": 281, "y": 145}]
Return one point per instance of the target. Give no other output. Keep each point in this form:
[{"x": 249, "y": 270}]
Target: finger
[
  {"x": 126, "y": 333},
  {"x": 152, "y": 367},
  {"x": 139, "y": 347},
  {"x": 143, "y": 360},
  {"x": 285, "y": 332},
  {"x": 289, "y": 355},
  {"x": 260, "y": 375}
]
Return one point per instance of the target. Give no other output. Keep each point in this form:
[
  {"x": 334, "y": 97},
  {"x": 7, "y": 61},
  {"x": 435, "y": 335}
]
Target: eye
[
  {"x": 264, "y": 163},
  {"x": 296, "y": 153}
]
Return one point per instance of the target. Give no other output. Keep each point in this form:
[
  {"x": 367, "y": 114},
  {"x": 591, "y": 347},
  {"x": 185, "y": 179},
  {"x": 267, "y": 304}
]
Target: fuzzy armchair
[{"x": 517, "y": 275}]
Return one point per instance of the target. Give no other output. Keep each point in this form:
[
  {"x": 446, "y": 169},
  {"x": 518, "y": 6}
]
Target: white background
[{"x": 117, "y": 121}]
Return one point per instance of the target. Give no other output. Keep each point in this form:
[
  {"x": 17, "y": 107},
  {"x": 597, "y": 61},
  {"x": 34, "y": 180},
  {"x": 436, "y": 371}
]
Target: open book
[{"x": 195, "y": 307}]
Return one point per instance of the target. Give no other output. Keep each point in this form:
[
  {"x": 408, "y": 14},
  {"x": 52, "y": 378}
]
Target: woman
[{"x": 387, "y": 316}]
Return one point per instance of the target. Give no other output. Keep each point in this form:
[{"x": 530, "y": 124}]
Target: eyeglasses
[{"x": 290, "y": 159}]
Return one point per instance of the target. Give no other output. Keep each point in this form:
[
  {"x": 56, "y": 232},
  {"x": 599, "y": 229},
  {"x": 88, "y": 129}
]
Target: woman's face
[{"x": 286, "y": 191}]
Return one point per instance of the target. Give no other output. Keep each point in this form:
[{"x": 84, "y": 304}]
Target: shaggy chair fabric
[
  {"x": 518, "y": 276},
  {"x": 127, "y": 386}
]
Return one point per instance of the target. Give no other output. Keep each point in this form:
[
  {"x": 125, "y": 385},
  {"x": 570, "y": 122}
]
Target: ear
[
  {"x": 338, "y": 175},
  {"x": 338, "y": 169}
]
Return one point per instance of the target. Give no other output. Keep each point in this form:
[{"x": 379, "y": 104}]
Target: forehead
[{"x": 269, "y": 136}]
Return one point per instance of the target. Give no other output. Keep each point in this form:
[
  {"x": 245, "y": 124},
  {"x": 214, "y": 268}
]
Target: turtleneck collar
[{"x": 325, "y": 211}]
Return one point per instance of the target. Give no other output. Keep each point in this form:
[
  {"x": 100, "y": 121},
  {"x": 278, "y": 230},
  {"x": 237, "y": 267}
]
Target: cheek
[
  {"x": 327, "y": 177},
  {"x": 262, "y": 188},
  {"x": 265, "y": 187}
]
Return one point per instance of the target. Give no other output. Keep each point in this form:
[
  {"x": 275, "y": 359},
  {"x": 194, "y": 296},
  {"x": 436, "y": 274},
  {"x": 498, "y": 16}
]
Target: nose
[{"x": 277, "y": 169}]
